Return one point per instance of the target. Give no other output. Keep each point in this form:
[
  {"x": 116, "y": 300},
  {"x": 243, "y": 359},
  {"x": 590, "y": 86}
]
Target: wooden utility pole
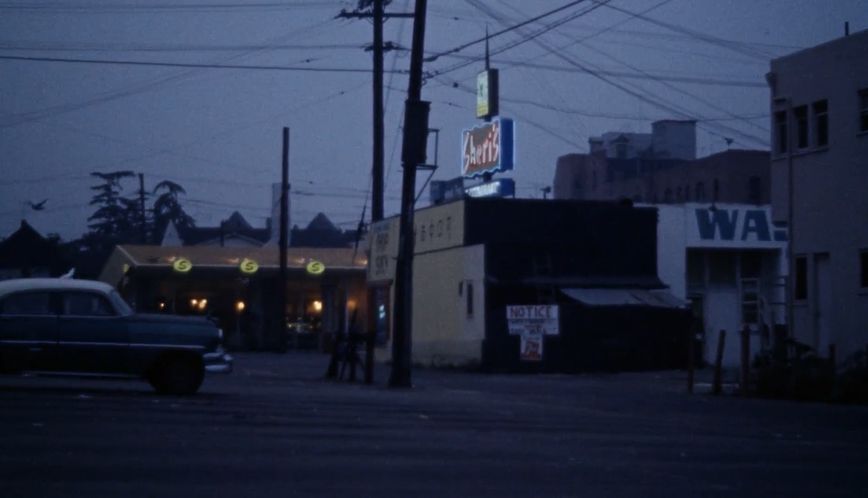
[
  {"x": 378, "y": 15},
  {"x": 143, "y": 223},
  {"x": 413, "y": 154},
  {"x": 284, "y": 236}
]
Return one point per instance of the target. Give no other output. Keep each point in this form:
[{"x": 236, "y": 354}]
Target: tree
[
  {"x": 167, "y": 208},
  {"x": 112, "y": 218}
]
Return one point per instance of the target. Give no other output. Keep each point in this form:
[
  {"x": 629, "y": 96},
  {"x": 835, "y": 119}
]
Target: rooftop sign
[
  {"x": 504, "y": 187},
  {"x": 488, "y": 148}
]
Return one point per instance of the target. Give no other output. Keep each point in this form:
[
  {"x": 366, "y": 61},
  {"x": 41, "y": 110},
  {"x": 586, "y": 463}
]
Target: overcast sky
[{"x": 583, "y": 71}]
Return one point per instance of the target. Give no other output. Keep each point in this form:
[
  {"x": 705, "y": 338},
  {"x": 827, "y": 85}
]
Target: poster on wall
[
  {"x": 532, "y": 323},
  {"x": 531, "y": 347}
]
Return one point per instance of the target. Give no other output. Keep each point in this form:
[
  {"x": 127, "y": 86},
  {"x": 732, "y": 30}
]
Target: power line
[
  {"x": 91, "y": 8},
  {"x": 698, "y": 80},
  {"x": 142, "y": 87},
  {"x": 515, "y": 43},
  {"x": 503, "y": 31},
  {"x": 720, "y": 42},
  {"x": 658, "y": 102},
  {"x": 78, "y": 46},
  {"x": 186, "y": 64}
]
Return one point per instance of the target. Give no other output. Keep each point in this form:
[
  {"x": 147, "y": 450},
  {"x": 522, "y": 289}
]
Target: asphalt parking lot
[{"x": 276, "y": 427}]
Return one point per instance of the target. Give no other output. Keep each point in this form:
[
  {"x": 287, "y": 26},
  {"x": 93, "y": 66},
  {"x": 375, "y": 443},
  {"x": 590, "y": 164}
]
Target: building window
[
  {"x": 781, "y": 130},
  {"x": 687, "y": 193},
  {"x": 863, "y": 109},
  {"x": 469, "y": 298},
  {"x": 667, "y": 195},
  {"x": 821, "y": 123},
  {"x": 863, "y": 266},
  {"x": 700, "y": 192},
  {"x": 715, "y": 195},
  {"x": 800, "y": 291},
  {"x": 594, "y": 180},
  {"x": 754, "y": 190},
  {"x": 801, "y": 116},
  {"x": 679, "y": 195}
]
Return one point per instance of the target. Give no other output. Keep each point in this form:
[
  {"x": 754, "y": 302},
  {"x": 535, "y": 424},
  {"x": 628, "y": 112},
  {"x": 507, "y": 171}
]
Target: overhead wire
[
  {"x": 141, "y": 87},
  {"x": 633, "y": 91}
]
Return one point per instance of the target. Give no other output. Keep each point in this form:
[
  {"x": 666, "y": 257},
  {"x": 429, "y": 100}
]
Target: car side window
[
  {"x": 27, "y": 303},
  {"x": 86, "y": 304}
]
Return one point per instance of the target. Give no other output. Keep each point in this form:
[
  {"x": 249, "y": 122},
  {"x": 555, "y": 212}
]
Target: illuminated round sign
[
  {"x": 182, "y": 265},
  {"x": 315, "y": 267},
  {"x": 248, "y": 266}
]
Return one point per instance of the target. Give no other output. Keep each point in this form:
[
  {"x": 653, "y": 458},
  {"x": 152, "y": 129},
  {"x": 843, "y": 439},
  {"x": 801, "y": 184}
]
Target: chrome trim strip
[
  {"x": 28, "y": 343},
  {"x": 174, "y": 346}
]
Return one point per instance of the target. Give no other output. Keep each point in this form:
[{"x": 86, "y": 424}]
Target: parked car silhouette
[{"x": 85, "y": 327}]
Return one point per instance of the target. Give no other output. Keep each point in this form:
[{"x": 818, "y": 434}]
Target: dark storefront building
[
  {"x": 238, "y": 286},
  {"x": 590, "y": 266}
]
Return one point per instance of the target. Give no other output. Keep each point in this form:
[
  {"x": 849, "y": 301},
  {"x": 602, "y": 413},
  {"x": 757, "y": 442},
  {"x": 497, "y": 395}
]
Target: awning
[{"x": 657, "y": 298}]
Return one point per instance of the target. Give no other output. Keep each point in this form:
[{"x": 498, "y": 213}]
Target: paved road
[{"x": 275, "y": 428}]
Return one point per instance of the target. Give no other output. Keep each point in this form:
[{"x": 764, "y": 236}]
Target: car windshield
[{"x": 121, "y": 305}]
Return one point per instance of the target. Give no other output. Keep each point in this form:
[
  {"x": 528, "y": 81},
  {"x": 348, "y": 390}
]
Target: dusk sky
[{"x": 216, "y": 130}]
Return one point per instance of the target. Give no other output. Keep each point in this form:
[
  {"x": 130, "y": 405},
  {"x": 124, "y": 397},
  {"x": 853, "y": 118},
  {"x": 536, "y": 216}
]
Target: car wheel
[{"x": 178, "y": 376}]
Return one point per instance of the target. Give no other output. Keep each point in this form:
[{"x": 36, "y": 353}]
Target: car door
[
  {"x": 91, "y": 335},
  {"x": 28, "y": 329}
]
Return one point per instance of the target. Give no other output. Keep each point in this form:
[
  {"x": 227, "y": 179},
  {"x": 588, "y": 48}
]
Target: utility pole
[
  {"x": 413, "y": 154},
  {"x": 379, "y": 146},
  {"x": 284, "y": 221},
  {"x": 143, "y": 228},
  {"x": 377, "y": 169}
]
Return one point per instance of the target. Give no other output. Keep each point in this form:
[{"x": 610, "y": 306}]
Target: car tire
[{"x": 178, "y": 376}]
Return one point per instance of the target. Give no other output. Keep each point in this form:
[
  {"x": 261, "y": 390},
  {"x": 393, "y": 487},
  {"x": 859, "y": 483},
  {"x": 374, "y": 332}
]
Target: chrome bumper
[{"x": 218, "y": 362}]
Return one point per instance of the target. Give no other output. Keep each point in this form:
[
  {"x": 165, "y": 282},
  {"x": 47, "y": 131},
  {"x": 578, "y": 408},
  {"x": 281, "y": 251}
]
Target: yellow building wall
[{"x": 444, "y": 333}]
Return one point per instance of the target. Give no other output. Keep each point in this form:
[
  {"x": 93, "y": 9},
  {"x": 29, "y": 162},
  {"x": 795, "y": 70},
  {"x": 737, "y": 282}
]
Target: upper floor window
[
  {"x": 781, "y": 131},
  {"x": 700, "y": 192},
  {"x": 863, "y": 109},
  {"x": 679, "y": 195},
  {"x": 801, "y": 116},
  {"x": 667, "y": 195},
  {"x": 821, "y": 123},
  {"x": 687, "y": 193}
]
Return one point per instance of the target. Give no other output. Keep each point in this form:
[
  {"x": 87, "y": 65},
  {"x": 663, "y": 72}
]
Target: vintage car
[{"x": 85, "y": 327}]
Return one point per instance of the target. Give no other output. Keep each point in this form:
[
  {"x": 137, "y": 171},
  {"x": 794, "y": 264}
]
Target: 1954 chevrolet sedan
[{"x": 85, "y": 327}]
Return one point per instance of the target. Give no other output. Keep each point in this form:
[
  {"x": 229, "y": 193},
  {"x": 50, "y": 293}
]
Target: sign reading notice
[
  {"x": 534, "y": 319},
  {"x": 532, "y": 323}
]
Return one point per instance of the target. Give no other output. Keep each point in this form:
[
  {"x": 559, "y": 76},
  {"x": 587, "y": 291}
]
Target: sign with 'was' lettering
[{"x": 734, "y": 226}]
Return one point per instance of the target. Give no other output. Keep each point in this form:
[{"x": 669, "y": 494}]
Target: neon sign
[{"x": 488, "y": 148}]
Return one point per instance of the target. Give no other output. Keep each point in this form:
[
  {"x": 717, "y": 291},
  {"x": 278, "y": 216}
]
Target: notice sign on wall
[{"x": 532, "y": 323}]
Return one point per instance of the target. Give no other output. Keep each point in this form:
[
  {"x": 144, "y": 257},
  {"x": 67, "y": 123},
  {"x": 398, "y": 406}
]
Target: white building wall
[
  {"x": 719, "y": 239},
  {"x": 829, "y": 190}
]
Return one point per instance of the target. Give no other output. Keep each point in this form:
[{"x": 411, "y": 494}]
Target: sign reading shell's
[
  {"x": 315, "y": 267},
  {"x": 248, "y": 266},
  {"x": 488, "y": 148},
  {"x": 182, "y": 265}
]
